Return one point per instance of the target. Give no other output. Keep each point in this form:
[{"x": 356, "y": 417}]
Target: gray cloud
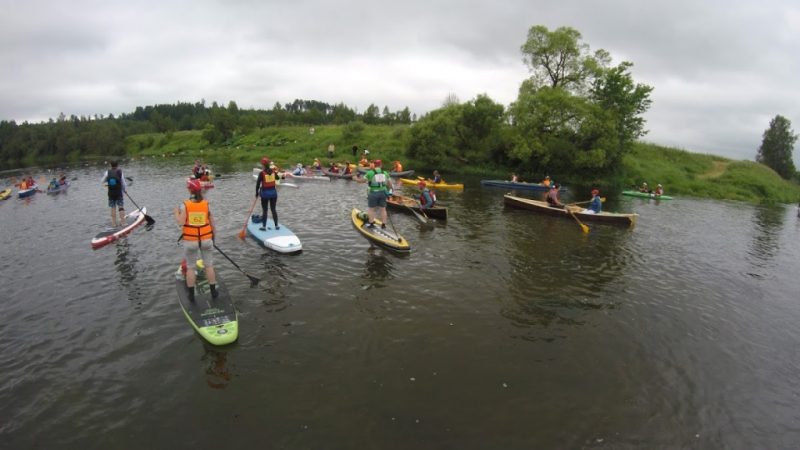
[{"x": 721, "y": 70}]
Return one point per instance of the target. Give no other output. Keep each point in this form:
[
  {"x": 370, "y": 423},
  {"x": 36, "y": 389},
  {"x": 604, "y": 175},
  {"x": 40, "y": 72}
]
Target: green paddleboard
[{"x": 215, "y": 319}]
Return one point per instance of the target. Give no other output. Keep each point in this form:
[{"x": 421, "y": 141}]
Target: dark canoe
[
  {"x": 405, "y": 173},
  {"x": 542, "y": 207},
  {"x": 403, "y": 203},
  {"x": 328, "y": 173},
  {"x": 519, "y": 185}
]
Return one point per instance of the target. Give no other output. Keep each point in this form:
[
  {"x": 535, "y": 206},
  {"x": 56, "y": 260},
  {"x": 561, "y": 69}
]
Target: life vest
[
  {"x": 267, "y": 180},
  {"x": 197, "y": 224},
  {"x": 114, "y": 180},
  {"x": 378, "y": 180},
  {"x": 398, "y": 167}
]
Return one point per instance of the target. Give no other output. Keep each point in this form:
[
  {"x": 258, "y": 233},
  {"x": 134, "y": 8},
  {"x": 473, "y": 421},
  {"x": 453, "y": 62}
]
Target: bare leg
[
  {"x": 211, "y": 274},
  {"x": 190, "y": 277},
  {"x": 121, "y": 216},
  {"x": 383, "y": 215}
]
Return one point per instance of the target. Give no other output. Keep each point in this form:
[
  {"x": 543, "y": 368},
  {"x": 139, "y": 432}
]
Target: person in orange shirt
[
  {"x": 194, "y": 217},
  {"x": 397, "y": 167}
]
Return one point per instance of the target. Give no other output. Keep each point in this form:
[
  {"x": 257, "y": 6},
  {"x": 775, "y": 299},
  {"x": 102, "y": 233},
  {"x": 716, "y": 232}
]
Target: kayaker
[
  {"x": 198, "y": 170},
  {"x": 194, "y": 218},
  {"x": 334, "y": 168},
  {"x": 347, "y": 169},
  {"x": 397, "y": 167},
  {"x": 299, "y": 170},
  {"x": 266, "y": 189},
  {"x": 380, "y": 186},
  {"x": 595, "y": 205},
  {"x": 23, "y": 185},
  {"x": 115, "y": 181},
  {"x": 514, "y": 178},
  {"x": 546, "y": 181},
  {"x": 53, "y": 184},
  {"x": 63, "y": 180},
  {"x": 316, "y": 165},
  {"x": 426, "y": 198},
  {"x": 437, "y": 178},
  {"x": 552, "y": 197},
  {"x": 659, "y": 191},
  {"x": 644, "y": 188}
]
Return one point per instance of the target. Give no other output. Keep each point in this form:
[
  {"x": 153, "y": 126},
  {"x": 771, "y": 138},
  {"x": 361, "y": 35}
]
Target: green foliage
[
  {"x": 692, "y": 174},
  {"x": 352, "y": 131},
  {"x": 777, "y": 146}
]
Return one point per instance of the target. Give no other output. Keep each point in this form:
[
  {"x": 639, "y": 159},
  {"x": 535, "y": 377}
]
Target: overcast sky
[{"x": 721, "y": 70}]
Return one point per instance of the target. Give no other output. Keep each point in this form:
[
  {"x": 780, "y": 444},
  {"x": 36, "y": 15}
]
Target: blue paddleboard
[{"x": 282, "y": 241}]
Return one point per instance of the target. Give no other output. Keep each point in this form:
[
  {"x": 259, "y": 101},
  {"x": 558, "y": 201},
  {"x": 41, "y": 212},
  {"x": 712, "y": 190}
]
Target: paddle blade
[
  {"x": 241, "y": 234},
  {"x": 149, "y": 220},
  {"x": 584, "y": 228},
  {"x": 253, "y": 280}
]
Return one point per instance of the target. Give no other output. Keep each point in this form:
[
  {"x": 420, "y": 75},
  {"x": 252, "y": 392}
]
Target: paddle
[
  {"x": 399, "y": 239},
  {"x": 244, "y": 227},
  {"x": 422, "y": 220},
  {"x": 602, "y": 199},
  {"x": 572, "y": 213},
  {"x": 253, "y": 280},
  {"x": 147, "y": 217}
]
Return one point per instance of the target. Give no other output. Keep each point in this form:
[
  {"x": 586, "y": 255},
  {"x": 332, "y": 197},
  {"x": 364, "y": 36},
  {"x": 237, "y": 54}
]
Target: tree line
[{"x": 73, "y": 138}]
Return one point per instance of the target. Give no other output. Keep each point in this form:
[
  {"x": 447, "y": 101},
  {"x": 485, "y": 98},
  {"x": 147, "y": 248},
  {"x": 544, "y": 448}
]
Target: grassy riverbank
[{"x": 681, "y": 172}]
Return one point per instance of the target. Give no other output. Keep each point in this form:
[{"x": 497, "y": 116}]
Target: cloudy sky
[{"x": 721, "y": 70}]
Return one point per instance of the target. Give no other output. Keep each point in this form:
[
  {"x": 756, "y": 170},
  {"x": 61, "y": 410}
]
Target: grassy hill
[{"x": 682, "y": 173}]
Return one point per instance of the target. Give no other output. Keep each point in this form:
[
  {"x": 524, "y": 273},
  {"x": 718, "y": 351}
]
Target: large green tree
[
  {"x": 777, "y": 146},
  {"x": 576, "y": 115}
]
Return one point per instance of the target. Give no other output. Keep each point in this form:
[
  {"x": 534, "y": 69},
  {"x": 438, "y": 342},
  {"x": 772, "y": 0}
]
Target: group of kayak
[{"x": 27, "y": 187}]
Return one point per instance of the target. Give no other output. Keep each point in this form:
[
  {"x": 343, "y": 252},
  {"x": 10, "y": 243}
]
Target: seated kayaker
[
  {"x": 347, "y": 169},
  {"x": 514, "y": 178},
  {"x": 546, "y": 181},
  {"x": 397, "y": 167},
  {"x": 437, "y": 178},
  {"x": 659, "y": 190},
  {"x": 427, "y": 198},
  {"x": 595, "y": 205},
  {"x": 23, "y": 185},
  {"x": 299, "y": 170},
  {"x": 333, "y": 168},
  {"x": 316, "y": 165},
  {"x": 63, "y": 180},
  {"x": 644, "y": 188},
  {"x": 53, "y": 184},
  {"x": 552, "y": 197},
  {"x": 364, "y": 162}
]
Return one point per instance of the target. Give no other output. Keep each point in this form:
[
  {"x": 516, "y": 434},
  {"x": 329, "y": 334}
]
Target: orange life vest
[{"x": 197, "y": 225}]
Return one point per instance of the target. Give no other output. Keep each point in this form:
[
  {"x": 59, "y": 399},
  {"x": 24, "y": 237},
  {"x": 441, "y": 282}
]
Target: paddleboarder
[
  {"x": 194, "y": 217},
  {"x": 115, "y": 181},
  {"x": 266, "y": 189},
  {"x": 380, "y": 186}
]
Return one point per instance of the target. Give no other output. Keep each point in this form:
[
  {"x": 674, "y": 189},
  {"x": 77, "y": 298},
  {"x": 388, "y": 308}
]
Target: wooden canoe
[
  {"x": 403, "y": 203},
  {"x": 542, "y": 207}
]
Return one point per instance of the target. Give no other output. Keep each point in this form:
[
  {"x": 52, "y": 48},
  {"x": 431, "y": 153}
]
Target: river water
[{"x": 503, "y": 328}]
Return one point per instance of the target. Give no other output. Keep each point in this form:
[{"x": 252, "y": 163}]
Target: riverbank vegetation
[{"x": 577, "y": 118}]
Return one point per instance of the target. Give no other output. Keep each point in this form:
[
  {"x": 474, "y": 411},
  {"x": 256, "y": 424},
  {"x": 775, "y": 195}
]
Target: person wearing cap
[
  {"x": 266, "y": 188},
  {"x": 380, "y": 186},
  {"x": 194, "y": 217},
  {"x": 299, "y": 170},
  {"x": 546, "y": 181},
  {"x": 316, "y": 165},
  {"x": 426, "y": 198},
  {"x": 114, "y": 179},
  {"x": 437, "y": 178},
  {"x": 552, "y": 197},
  {"x": 595, "y": 205},
  {"x": 659, "y": 191},
  {"x": 644, "y": 187}
]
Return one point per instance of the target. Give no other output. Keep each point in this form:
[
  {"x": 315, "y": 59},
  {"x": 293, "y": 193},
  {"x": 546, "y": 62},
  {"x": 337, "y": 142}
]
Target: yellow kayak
[
  {"x": 431, "y": 184},
  {"x": 5, "y": 193}
]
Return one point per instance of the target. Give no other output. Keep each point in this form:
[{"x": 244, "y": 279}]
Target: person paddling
[
  {"x": 437, "y": 178},
  {"x": 194, "y": 217},
  {"x": 266, "y": 189},
  {"x": 380, "y": 187},
  {"x": 426, "y": 198},
  {"x": 595, "y": 205},
  {"x": 115, "y": 181},
  {"x": 552, "y": 197},
  {"x": 659, "y": 191}
]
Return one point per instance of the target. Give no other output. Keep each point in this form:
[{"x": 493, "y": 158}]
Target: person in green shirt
[{"x": 380, "y": 187}]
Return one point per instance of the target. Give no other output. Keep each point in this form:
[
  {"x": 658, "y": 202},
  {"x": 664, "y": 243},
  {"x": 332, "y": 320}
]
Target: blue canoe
[
  {"x": 518, "y": 185},
  {"x": 28, "y": 192},
  {"x": 282, "y": 240}
]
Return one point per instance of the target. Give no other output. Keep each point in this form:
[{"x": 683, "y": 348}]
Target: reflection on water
[
  {"x": 378, "y": 266},
  {"x": 765, "y": 244},
  {"x": 218, "y": 375}
]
